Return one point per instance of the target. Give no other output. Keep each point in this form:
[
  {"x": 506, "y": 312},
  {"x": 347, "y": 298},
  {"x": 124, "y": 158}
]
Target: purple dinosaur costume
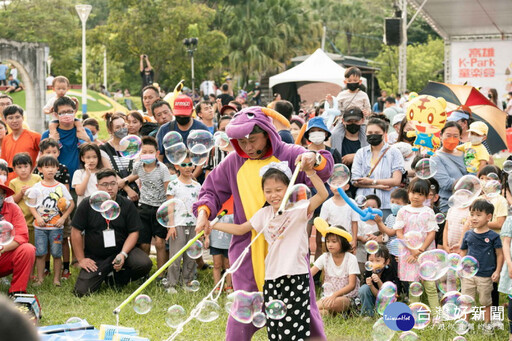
[{"x": 238, "y": 175}]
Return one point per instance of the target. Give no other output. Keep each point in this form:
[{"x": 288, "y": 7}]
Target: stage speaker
[{"x": 393, "y": 31}]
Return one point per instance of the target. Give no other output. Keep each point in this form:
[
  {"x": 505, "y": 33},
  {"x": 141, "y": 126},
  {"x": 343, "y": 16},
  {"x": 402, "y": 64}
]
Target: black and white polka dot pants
[{"x": 294, "y": 292}]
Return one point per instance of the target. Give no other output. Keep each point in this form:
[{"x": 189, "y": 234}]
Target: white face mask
[
  {"x": 3, "y": 178},
  {"x": 476, "y": 140},
  {"x": 317, "y": 137}
]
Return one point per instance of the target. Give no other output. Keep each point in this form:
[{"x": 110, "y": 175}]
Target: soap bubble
[
  {"x": 416, "y": 289},
  {"x": 360, "y": 200},
  {"x": 492, "y": 188},
  {"x": 382, "y": 302},
  {"x": 461, "y": 327},
  {"x": 493, "y": 176},
  {"x": 409, "y": 336},
  {"x": 459, "y": 338},
  {"x": 397, "y": 248},
  {"x": 299, "y": 196},
  {"x": 275, "y": 309},
  {"x": 33, "y": 197},
  {"x": 74, "y": 323},
  {"x": 437, "y": 266},
  {"x": 192, "y": 286},
  {"x": 454, "y": 261},
  {"x": 6, "y": 233},
  {"x": 97, "y": 199},
  {"x": 414, "y": 239},
  {"x": 440, "y": 218},
  {"x": 130, "y": 146},
  {"x": 200, "y": 141},
  {"x": 448, "y": 282},
  {"x": 327, "y": 289},
  {"x": 368, "y": 266},
  {"x": 388, "y": 289},
  {"x": 465, "y": 304},
  {"x": 450, "y": 311},
  {"x": 195, "y": 250},
  {"x": 340, "y": 176},
  {"x": 110, "y": 210},
  {"x": 425, "y": 168},
  {"x": 507, "y": 166},
  {"x": 450, "y": 297},
  {"x": 468, "y": 267},
  {"x": 209, "y": 311},
  {"x": 171, "y": 138},
  {"x": 199, "y": 159},
  {"x": 175, "y": 316},
  {"x": 176, "y": 153},
  {"x": 371, "y": 247},
  {"x": 470, "y": 183},
  {"x": 421, "y": 314},
  {"x": 259, "y": 320},
  {"x": 240, "y": 306},
  {"x": 220, "y": 139},
  {"x": 172, "y": 213},
  {"x": 427, "y": 270},
  {"x": 461, "y": 199},
  {"x": 257, "y": 301},
  {"x": 142, "y": 304},
  {"x": 381, "y": 332}
]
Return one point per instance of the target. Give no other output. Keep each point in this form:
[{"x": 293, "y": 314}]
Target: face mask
[
  {"x": 374, "y": 139},
  {"x": 3, "y": 178},
  {"x": 183, "y": 120},
  {"x": 450, "y": 143},
  {"x": 353, "y": 128},
  {"x": 407, "y": 138},
  {"x": 148, "y": 158},
  {"x": 95, "y": 136},
  {"x": 476, "y": 140},
  {"x": 317, "y": 137},
  {"x": 427, "y": 203},
  {"x": 395, "y": 208},
  {"x": 68, "y": 118},
  {"x": 173, "y": 177},
  {"x": 121, "y": 133},
  {"x": 352, "y": 86}
]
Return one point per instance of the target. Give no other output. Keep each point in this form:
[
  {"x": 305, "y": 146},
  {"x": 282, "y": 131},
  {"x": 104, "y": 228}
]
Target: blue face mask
[
  {"x": 173, "y": 177},
  {"x": 395, "y": 208}
]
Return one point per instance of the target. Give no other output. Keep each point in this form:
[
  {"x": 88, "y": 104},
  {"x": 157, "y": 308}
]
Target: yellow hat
[
  {"x": 479, "y": 128},
  {"x": 324, "y": 228}
]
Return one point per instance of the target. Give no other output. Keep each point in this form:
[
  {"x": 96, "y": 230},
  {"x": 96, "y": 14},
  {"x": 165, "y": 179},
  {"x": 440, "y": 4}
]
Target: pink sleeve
[{"x": 259, "y": 219}]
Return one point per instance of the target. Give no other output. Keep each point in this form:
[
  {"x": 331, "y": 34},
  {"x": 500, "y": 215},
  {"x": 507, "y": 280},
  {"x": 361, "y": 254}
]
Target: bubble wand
[
  {"x": 165, "y": 266},
  {"x": 236, "y": 264}
]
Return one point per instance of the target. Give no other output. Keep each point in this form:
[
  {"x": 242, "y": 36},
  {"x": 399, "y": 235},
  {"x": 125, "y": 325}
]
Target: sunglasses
[{"x": 190, "y": 164}]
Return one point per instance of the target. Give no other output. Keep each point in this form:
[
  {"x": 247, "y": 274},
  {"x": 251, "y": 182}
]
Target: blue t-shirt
[
  {"x": 69, "y": 155},
  {"x": 174, "y": 127},
  {"x": 481, "y": 246},
  {"x": 3, "y": 71}
]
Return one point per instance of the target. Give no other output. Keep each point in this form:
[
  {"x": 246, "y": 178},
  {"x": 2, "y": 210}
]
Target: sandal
[{"x": 228, "y": 290}]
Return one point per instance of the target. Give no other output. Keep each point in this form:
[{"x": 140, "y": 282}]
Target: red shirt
[{"x": 13, "y": 214}]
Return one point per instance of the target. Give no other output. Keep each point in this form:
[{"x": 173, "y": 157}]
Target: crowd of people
[{"x": 46, "y": 181}]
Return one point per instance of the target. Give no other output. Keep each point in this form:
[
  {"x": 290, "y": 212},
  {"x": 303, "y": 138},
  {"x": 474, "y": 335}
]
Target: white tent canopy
[{"x": 316, "y": 68}]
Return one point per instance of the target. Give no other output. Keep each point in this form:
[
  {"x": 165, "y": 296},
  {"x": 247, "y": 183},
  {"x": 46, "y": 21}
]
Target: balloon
[
  {"x": 6, "y": 233},
  {"x": 172, "y": 213},
  {"x": 368, "y": 213},
  {"x": 33, "y": 197},
  {"x": 176, "y": 153},
  {"x": 340, "y": 176},
  {"x": 142, "y": 304},
  {"x": 97, "y": 199},
  {"x": 171, "y": 138},
  {"x": 110, "y": 210},
  {"x": 200, "y": 141},
  {"x": 130, "y": 146},
  {"x": 175, "y": 316},
  {"x": 426, "y": 168}
]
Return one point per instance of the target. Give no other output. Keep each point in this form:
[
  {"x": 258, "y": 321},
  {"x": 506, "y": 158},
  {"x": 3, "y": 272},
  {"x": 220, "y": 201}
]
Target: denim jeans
[{"x": 367, "y": 300}]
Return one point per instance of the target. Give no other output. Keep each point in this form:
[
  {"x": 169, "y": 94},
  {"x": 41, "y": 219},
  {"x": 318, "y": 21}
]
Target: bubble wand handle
[
  {"x": 165, "y": 266},
  {"x": 290, "y": 188}
]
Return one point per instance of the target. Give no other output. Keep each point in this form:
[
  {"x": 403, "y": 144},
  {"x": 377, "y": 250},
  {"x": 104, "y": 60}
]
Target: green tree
[{"x": 424, "y": 63}]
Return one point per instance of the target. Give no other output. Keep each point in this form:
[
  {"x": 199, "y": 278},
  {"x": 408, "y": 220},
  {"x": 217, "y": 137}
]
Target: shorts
[
  {"x": 150, "y": 226},
  {"x": 482, "y": 285},
  {"x": 216, "y": 251},
  {"x": 43, "y": 236}
]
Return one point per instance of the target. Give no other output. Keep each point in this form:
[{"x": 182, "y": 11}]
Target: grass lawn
[{"x": 59, "y": 304}]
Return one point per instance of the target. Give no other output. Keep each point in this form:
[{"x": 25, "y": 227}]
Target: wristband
[{"x": 124, "y": 254}]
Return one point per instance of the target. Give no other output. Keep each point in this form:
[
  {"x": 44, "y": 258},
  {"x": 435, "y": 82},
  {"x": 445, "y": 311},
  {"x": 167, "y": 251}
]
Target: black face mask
[
  {"x": 374, "y": 139},
  {"x": 353, "y": 128},
  {"x": 352, "y": 86},
  {"x": 183, "y": 120},
  {"x": 407, "y": 138}
]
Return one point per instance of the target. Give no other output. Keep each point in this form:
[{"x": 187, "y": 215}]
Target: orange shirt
[{"x": 27, "y": 142}]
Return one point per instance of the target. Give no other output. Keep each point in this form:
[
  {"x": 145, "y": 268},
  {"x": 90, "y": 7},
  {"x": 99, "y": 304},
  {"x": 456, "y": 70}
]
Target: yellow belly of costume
[{"x": 252, "y": 198}]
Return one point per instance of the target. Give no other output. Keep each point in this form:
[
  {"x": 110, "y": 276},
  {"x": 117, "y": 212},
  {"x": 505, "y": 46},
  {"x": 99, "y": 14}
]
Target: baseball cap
[
  {"x": 479, "y": 128},
  {"x": 398, "y": 118},
  {"x": 458, "y": 115},
  {"x": 353, "y": 114},
  {"x": 227, "y": 107},
  {"x": 183, "y": 106}
]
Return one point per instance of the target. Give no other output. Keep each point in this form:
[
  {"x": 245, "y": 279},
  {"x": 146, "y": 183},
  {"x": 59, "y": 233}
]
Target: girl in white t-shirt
[
  {"x": 341, "y": 272},
  {"x": 287, "y": 261},
  {"x": 84, "y": 179}
]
